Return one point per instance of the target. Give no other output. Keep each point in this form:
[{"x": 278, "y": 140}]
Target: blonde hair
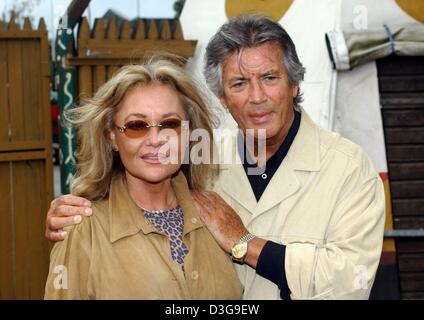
[{"x": 97, "y": 162}]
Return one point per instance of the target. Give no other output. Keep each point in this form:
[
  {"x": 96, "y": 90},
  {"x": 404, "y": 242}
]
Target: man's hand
[
  {"x": 221, "y": 220},
  {"x": 65, "y": 211}
]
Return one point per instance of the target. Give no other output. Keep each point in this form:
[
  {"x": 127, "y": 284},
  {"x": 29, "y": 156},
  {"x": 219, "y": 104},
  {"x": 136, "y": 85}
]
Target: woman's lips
[{"x": 154, "y": 157}]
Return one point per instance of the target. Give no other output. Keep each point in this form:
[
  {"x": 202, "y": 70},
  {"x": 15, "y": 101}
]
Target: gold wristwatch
[{"x": 239, "y": 250}]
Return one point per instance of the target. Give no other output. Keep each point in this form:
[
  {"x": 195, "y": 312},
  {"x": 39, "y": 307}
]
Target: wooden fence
[
  {"x": 402, "y": 98},
  {"x": 102, "y": 50},
  {"x": 26, "y": 182}
]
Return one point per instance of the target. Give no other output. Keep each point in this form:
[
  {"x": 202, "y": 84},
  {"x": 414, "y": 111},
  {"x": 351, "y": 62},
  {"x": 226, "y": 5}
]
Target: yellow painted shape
[
  {"x": 388, "y": 243},
  {"x": 274, "y": 9},
  {"x": 414, "y": 8}
]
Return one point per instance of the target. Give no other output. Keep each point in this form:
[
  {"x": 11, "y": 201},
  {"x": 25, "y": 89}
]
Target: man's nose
[{"x": 257, "y": 93}]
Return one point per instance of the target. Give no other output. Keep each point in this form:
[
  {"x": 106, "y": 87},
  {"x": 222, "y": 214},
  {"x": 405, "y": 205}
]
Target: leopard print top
[{"x": 171, "y": 223}]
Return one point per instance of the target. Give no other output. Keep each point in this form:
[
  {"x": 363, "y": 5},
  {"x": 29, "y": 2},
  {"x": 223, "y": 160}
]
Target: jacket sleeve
[
  {"x": 70, "y": 265},
  {"x": 344, "y": 266}
]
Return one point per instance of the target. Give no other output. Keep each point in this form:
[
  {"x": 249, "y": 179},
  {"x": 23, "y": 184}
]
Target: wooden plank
[
  {"x": 13, "y": 26},
  {"x": 20, "y": 192},
  {"x": 7, "y": 281},
  {"x": 140, "y": 30},
  {"x": 99, "y": 77},
  {"x": 153, "y": 31},
  {"x": 178, "y": 33},
  {"x": 400, "y": 66},
  {"x": 411, "y": 262},
  {"x": 111, "y": 71},
  {"x": 112, "y": 30},
  {"x": 21, "y": 35},
  {"x": 37, "y": 254},
  {"x": 404, "y": 135},
  {"x": 397, "y": 153},
  {"x": 96, "y": 61},
  {"x": 403, "y": 106},
  {"x": 85, "y": 82},
  {"x": 4, "y": 88},
  {"x": 410, "y": 245},
  {"x": 401, "y": 98},
  {"x": 406, "y": 171},
  {"x": 407, "y": 189},
  {"x": 407, "y": 83},
  {"x": 97, "y": 33},
  {"x": 412, "y": 281},
  {"x": 403, "y": 118},
  {"x": 23, "y": 145},
  {"x": 83, "y": 33},
  {"x": 166, "y": 30},
  {"x": 128, "y": 48},
  {"x": 125, "y": 32},
  {"x": 408, "y": 207},
  {"x": 14, "y": 52},
  {"x": 31, "y": 93},
  {"x": 409, "y": 222},
  {"x": 23, "y": 156},
  {"x": 45, "y": 114},
  {"x": 27, "y": 24},
  {"x": 415, "y": 295}
]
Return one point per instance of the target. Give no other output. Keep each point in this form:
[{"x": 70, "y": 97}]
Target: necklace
[{"x": 159, "y": 211}]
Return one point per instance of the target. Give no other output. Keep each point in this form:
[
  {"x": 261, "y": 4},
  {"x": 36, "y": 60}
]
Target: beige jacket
[
  {"x": 326, "y": 204},
  {"x": 118, "y": 254}
]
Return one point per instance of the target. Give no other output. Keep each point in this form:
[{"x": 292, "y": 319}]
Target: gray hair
[{"x": 249, "y": 31}]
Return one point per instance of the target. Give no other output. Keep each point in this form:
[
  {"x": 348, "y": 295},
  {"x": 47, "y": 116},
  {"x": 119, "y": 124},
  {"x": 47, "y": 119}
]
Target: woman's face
[{"x": 151, "y": 154}]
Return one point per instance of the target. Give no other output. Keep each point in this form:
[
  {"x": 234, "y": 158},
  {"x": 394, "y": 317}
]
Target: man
[{"x": 310, "y": 226}]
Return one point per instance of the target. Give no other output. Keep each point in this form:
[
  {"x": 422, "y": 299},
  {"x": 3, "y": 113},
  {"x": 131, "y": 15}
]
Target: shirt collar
[{"x": 126, "y": 218}]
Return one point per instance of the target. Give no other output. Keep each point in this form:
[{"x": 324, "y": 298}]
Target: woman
[{"x": 145, "y": 239}]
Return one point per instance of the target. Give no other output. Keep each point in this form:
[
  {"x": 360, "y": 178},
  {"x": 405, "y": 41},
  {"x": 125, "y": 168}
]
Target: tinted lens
[
  {"x": 136, "y": 128},
  {"x": 170, "y": 124}
]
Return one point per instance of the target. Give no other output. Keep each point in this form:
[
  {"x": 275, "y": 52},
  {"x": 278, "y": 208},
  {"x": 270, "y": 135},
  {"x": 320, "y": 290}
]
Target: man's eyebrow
[
  {"x": 271, "y": 73},
  {"x": 237, "y": 78}
]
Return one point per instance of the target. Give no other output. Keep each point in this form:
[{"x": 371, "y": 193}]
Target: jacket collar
[
  {"x": 303, "y": 155},
  {"x": 126, "y": 218}
]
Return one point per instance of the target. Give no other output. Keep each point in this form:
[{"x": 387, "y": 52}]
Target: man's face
[{"x": 257, "y": 90}]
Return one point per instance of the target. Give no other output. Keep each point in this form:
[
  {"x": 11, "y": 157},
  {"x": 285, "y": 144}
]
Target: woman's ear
[
  {"x": 113, "y": 141},
  {"x": 223, "y": 102}
]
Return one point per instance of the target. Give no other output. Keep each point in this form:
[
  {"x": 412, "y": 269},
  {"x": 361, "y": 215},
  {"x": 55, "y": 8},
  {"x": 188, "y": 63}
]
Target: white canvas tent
[{"x": 338, "y": 101}]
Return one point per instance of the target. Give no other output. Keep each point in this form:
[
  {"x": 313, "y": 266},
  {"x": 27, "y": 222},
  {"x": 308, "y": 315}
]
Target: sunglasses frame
[{"x": 124, "y": 128}]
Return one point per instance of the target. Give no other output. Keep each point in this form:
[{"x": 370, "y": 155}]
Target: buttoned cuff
[{"x": 271, "y": 264}]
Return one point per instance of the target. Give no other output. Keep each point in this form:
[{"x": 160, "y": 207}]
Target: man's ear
[
  {"x": 295, "y": 91},
  {"x": 113, "y": 140}
]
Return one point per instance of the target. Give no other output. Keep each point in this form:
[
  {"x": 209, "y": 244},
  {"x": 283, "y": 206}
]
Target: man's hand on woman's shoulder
[{"x": 65, "y": 211}]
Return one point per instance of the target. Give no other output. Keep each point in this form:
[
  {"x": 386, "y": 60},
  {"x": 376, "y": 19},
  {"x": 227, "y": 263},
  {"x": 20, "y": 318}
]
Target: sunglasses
[{"x": 140, "y": 128}]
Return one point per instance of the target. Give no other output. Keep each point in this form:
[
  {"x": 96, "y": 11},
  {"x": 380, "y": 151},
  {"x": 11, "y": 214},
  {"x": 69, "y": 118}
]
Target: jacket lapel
[
  {"x": 302, "y": 156},
  {"x": 234, "y": 181}
]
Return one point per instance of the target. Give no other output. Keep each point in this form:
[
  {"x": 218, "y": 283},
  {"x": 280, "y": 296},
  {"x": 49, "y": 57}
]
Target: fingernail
[
  {"x": 77, "y": 219},
  {"x": 63, "y": 234},
  {"x": 88, "y": 211},
  {"x": 87, "y": 203}
]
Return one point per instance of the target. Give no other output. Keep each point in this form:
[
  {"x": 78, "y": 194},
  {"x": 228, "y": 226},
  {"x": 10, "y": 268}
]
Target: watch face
[{"x": 239, "y": 250}]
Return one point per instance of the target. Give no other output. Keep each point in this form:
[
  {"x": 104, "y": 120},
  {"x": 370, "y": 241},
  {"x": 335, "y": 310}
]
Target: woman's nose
[{"x": 155, "y": 138}]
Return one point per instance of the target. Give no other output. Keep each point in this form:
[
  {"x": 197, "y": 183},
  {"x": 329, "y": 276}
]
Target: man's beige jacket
[{"x": 326, "y": 203}]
